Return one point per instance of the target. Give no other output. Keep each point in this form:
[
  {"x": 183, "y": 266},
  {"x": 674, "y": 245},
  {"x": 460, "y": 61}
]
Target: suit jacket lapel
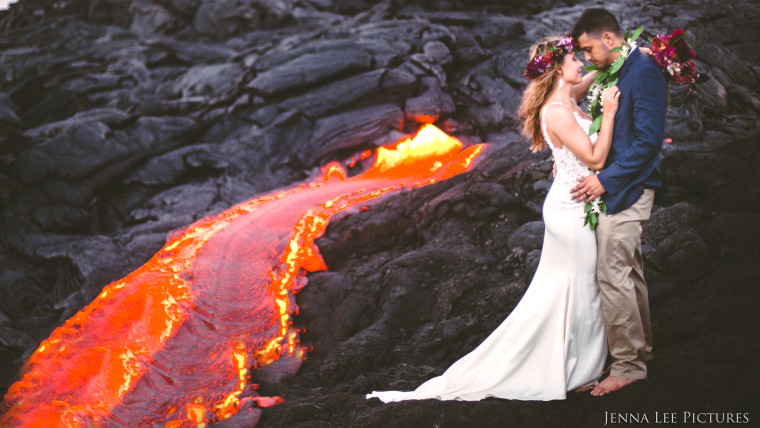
[{"x": 627, "y": 65}]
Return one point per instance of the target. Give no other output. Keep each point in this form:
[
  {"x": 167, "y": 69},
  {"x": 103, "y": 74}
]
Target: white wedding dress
[{"x": 554, "y": 340}]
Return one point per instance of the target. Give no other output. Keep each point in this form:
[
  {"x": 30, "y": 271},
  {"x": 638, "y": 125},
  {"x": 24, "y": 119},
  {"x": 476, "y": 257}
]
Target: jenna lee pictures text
[{"x": 685, "y": 417}]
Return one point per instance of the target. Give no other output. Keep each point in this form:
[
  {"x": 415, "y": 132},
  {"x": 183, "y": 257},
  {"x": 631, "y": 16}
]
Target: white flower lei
[
  {"x": 607, "y": 78},
  {"x": 603, "y": 80},
  {"x": 596, "y": 91}
]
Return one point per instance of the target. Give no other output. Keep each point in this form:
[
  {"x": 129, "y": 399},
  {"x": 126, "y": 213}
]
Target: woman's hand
[
  {"x": 610, "y": 100},
  {"x": 645, "y": 51}
]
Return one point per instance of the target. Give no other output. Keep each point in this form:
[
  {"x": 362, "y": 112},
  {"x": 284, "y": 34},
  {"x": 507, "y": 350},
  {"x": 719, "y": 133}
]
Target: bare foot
[
  {"x": 584, "y": 388},
  {"x": 612, "y": 384}
]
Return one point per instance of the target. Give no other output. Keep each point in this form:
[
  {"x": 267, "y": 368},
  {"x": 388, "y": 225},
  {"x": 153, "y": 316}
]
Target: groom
[{"x": 630, "y": 175}]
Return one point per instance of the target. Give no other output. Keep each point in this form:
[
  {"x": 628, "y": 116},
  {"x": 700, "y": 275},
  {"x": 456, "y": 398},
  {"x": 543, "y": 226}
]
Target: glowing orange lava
[{"x": 172, "y": 343}]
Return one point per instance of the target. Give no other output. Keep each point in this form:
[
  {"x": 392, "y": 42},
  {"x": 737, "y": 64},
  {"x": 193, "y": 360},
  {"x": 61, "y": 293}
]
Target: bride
[{"x": 554, "y": 340}]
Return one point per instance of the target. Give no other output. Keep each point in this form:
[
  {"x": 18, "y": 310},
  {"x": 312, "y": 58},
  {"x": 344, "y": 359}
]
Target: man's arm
[{"x": 649, "y": 113}]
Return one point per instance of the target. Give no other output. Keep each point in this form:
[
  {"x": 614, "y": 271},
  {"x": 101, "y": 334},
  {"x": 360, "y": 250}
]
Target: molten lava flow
[{"x": 172, "y": 342}]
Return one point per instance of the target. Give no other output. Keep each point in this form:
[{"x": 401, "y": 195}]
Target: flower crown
[{"x": 544, "y": 61}]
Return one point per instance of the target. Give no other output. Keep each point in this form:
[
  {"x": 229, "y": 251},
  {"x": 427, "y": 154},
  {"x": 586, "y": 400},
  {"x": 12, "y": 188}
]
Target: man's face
[{"x": 595, "y": 51}]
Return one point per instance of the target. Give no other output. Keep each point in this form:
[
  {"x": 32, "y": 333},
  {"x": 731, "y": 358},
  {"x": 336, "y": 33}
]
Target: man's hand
[{"x": 587, "y": 189}]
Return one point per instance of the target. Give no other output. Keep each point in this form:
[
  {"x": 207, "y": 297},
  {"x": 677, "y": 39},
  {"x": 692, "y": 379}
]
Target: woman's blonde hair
[{"x": 535, "y": 96}]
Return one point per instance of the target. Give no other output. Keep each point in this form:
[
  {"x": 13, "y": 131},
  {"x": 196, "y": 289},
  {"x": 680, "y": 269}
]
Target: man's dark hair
[{"x": 595, "y": 22}]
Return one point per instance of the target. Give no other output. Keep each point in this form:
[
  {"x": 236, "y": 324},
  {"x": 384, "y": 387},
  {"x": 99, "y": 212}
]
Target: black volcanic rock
[
  {"x": 311, "y": 68},
  {"x": 349, "y": 129},
  {"x": 70, "y": 154},
  {"x": 338, "y": 95},
  {"x": 527, "y": 236}
]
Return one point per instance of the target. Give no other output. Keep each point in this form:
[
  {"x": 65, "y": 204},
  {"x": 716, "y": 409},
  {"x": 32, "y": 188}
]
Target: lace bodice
[{"x": 569, "y": 167}]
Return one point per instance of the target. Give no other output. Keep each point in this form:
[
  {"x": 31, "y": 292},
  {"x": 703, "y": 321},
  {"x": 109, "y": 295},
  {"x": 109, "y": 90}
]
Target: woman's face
[{"x": 571, "y": 69}]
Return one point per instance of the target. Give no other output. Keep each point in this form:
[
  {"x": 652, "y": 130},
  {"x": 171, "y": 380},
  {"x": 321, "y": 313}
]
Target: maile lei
[
  {"x": 603, "y": 80},
  {"x": 607, "y": 78}
]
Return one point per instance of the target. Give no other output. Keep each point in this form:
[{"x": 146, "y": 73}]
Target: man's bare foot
[
  {"x": 584, "y": 388},
  {"x": 612, "y": 384}
]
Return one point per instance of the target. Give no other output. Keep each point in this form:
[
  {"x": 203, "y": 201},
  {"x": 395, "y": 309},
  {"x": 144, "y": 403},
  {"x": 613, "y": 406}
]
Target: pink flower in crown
[
  {"x": 567, "y": 44},
  {"x": 535, "y": 68},
  {"x": 541, "y": 63},
  {"x": 539, "y": 66}
]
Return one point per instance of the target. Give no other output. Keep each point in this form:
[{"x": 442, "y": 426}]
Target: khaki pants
[{"x": 625, "y": 301}]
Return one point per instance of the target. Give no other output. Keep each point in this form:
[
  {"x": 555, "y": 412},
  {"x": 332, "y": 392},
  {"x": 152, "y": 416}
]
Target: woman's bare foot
[
  {"x": 612, "y": 384},
  {"x": 583, "y": 388}
]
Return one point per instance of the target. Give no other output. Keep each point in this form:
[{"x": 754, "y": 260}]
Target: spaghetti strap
[{"x": 543, "y": 124}]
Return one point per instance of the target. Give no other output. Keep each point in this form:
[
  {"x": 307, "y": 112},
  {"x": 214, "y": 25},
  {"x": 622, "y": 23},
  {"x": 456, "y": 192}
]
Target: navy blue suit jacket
[{"x": 634, "y": 162}]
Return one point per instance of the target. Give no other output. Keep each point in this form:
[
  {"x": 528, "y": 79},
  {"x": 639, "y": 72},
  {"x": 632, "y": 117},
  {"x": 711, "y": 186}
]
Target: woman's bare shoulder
[{"x": 557, "y": 113}]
